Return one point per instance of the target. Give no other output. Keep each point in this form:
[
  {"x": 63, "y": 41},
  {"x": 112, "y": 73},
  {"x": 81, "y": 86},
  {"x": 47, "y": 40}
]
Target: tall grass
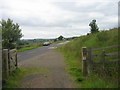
[{"x": 72, "y": 53}]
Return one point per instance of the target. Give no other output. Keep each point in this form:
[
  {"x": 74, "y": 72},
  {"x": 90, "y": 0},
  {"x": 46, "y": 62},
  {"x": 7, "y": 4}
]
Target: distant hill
[{"x": 37, "y": 40}]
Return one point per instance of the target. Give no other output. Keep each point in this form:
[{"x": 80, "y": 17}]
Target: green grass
[
  {"x": 14, "y": 79},
  {"x": 73, "y": 57},
  {"x": 94, "y": 82},
  {"x": 34, "y": 46},
  {"x": 28, "y": 48}
]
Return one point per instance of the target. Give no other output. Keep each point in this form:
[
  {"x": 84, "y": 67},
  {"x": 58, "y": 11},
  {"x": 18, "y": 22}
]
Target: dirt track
[{"x": 57, "y": 77}]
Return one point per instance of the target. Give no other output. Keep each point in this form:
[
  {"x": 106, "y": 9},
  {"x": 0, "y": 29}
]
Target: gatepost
[{"x": 84, "y": 61}]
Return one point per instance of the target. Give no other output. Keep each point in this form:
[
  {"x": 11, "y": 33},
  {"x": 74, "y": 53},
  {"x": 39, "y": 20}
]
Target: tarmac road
[
  {"x": 50, "y": 59},
  {"x": 26, "y": 55}
]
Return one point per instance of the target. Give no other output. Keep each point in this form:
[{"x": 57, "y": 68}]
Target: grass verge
[
  {"x": 14, "y": 79},
  {"x": 75, "y": 70},
  {"x": 73, "y": 58},
  {"x": 28, "y": 48}
]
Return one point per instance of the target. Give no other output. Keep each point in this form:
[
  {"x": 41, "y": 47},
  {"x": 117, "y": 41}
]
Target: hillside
[{"x": 72, "y": 53}]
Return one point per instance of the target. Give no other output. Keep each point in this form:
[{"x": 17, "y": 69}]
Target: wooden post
[
  {"x": 103, "y": 59},
  {"x": 16, "y": 60},
  {"x": 89, "y": 58},
  {"x": 5, "y": 64},
  {"x": 84, "y": 61},
  {"x": 9, "y": 63}
]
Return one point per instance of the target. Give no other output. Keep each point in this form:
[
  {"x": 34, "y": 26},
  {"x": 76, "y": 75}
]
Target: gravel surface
[{"x": 57, "y": 76}]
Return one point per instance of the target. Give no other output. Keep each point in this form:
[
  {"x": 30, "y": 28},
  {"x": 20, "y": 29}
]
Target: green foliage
[
  {"x": 28, "y": 48},
  {"x": 94, "y": 27},
  {"x": 60, "y": 38},
  {"x": 24, "y": 45},
  {"x": 22, "y": 42},
  {"x": 73, "y": 55},
  {"x": 25, "y": 48},
  {"x": 10, "y": 33}
]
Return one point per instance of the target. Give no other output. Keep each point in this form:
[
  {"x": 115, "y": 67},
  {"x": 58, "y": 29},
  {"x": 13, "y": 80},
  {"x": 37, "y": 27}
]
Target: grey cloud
[
  {"x": 31, "y": 21},
  {"x": 105, "y": 8},
  {"x": 96, "y": 7},
  {"x": 70, "y": 6},
  {"x": 38, "y": 22},
  {"x": 80, "y": 16}
]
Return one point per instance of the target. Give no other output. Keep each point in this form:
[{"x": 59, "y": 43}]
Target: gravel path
[{"x": 55, "y": 78}]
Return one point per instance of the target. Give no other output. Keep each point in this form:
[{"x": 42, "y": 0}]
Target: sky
[{"x": 52, "y": 18}]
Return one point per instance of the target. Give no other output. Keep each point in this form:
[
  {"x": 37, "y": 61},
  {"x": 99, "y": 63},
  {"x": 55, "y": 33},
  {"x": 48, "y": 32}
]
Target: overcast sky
[{"x": 52, "y": 18}]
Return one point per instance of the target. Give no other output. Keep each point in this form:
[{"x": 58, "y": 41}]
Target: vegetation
[
  {"x": 72, "y": 53},
  {"x": 60, "y": 38},
  {"x": 26, "y": 48},
  {"x": 29, "y": 46},
  {"x": 23, "y": 45},
  {"x": 10, "y": 33},
  {"x": 94, "y": 27},
  {"x": 22, "y": 42},
  {"x": 14, "y": 79}
]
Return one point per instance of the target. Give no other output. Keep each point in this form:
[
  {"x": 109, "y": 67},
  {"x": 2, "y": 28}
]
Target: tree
[
  {"x": 10, "y": 33},
  {"x": 60, "y": 38},
  {"x": 94, "y": 27}
]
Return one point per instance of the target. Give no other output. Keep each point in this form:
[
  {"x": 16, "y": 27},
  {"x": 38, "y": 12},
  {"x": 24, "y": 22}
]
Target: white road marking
[
  {"x": 63, "y": 42},
  {"x": 52, "y": 47}
]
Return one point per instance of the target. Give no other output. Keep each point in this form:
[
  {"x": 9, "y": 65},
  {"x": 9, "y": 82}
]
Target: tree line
[{"x": 11, "y": 32}]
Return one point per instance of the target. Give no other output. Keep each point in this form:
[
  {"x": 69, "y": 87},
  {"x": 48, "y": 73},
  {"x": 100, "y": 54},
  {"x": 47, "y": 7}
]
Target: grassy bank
[
  {"x": 29, "y": 47},
  {"x": 72, "y": 53}
]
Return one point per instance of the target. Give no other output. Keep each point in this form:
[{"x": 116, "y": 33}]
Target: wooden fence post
[
  {"x": 16, "y": 60},
  {"x": 5, "y": 64},
  {"x": 103, "y": 59},
  {"x": 9, "y": 63},
  {"x": 89, "y": 58},
  {"x": 84, "y": 61}
]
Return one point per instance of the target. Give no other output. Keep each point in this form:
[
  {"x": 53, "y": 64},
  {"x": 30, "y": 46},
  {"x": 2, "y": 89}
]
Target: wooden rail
[
  {"x": 91, "y": 62},
  {"x": 107, "y": 62},
  {"x": 115, "y": 54},
  {"x": 114, "y": 46}
]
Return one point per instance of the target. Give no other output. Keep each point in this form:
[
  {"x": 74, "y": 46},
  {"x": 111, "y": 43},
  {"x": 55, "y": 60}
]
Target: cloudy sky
[{"x": 52, "y": 18}]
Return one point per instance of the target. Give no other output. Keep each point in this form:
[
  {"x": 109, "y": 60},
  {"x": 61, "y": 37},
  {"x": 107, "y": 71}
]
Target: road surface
[
  {"x": 26, "y": 55},
  {"x": 50, "y": 59}
]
